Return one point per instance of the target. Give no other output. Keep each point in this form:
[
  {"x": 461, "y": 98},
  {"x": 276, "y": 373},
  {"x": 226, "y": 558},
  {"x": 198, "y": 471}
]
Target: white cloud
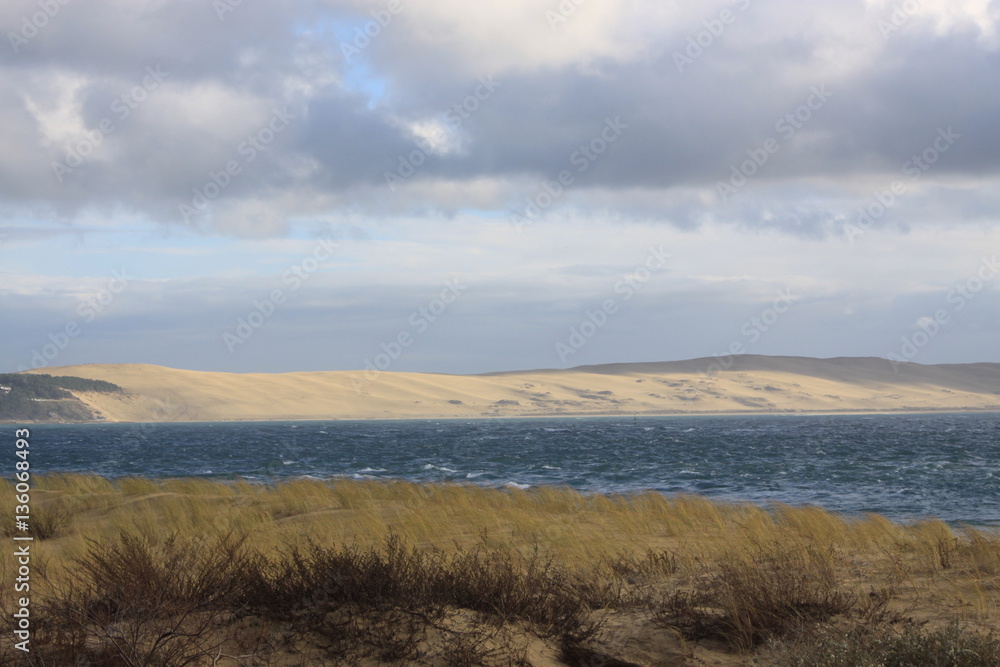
[{"x": 560, "y": 83}]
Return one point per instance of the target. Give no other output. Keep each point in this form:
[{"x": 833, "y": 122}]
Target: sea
[{"x": 904, "y": 466}]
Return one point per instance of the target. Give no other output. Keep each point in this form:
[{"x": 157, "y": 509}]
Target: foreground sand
[
  {"x": 148, "y": 570},
  {"x": 700, "y": 386}
]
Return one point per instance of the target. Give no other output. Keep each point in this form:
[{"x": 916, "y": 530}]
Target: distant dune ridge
[{"x": 750, "y": 384}]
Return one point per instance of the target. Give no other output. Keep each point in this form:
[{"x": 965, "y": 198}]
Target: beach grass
[{"x": 196, "y": 571}]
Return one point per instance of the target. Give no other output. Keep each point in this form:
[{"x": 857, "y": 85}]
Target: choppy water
[{"x": 903, "y": 466}]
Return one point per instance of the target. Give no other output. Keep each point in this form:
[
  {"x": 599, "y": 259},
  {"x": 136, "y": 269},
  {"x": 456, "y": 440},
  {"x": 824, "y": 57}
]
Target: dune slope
[{"x": 750, "y": 384}]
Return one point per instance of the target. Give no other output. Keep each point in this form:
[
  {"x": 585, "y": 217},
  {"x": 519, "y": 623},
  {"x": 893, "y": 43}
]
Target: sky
[{"x": 445, "y": 186}]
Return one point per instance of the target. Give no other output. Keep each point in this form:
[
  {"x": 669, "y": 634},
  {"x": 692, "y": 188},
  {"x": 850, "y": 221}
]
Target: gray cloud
[{"x": 684, "y": 129}]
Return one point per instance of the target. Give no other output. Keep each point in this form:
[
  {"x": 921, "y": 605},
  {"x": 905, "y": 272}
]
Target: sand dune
[{"x": 750, "y": 384}]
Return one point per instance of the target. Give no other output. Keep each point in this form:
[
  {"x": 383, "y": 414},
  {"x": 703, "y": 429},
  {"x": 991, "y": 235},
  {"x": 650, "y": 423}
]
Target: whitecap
[
  {"x": 515, "y": 485},
  {"x": 431, "y": 466},
  {"x": 373, "y": 470}
]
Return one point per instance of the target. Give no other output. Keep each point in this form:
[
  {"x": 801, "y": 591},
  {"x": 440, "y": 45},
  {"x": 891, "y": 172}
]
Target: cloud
[
  {"x": 560, "y": 79},
  {"x": 849, "y": 150}
]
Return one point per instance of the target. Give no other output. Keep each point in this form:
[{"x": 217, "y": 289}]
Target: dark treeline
[{"x": 43, "y": 397}]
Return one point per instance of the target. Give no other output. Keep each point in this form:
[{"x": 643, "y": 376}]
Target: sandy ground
[{"x": 749, "y": 384}]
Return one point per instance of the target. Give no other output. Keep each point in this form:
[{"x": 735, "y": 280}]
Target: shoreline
[{"x": 734, "y": 413}]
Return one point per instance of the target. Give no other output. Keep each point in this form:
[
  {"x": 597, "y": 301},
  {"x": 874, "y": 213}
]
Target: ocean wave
[
  {"x": 896, "y": 465},
  {"x": 431, "y": 466}
]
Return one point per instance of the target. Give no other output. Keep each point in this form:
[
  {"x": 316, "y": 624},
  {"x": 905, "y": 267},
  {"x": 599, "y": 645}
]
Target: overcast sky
[{"x": 468, "y": 187}]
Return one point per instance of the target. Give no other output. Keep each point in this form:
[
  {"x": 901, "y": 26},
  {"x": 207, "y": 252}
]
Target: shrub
[
  {"x": 865, "y": 647},
  {"x": 749, "y": 598},
  {"x": 136, "y": 602}
]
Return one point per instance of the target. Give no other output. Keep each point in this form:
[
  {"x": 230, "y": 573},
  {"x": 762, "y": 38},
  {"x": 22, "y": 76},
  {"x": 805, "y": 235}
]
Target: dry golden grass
[{"x": 705, "y": 569}]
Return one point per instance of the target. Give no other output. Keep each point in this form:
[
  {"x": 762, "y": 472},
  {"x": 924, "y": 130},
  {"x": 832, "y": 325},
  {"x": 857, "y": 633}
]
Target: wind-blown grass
[{"x": 193, "y": 571}]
